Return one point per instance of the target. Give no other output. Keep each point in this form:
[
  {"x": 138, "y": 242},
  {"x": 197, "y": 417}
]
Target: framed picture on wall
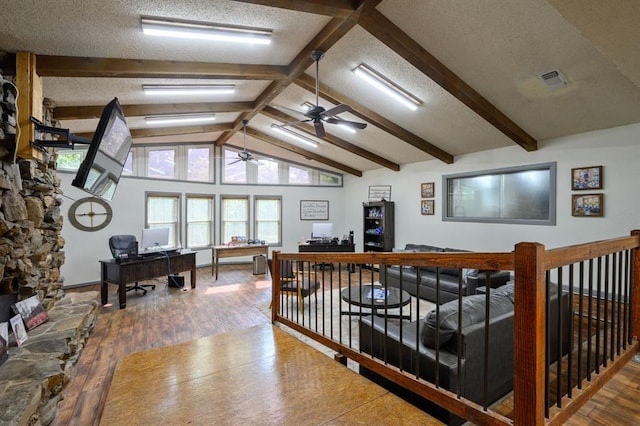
[
  {"x": 427, "y": 207},
  {"x": 314, "y": 210},
  {"x": 587, "y": 205},
  {"x": 586, "y": 178},
  {"x": 427, "y": 190}
]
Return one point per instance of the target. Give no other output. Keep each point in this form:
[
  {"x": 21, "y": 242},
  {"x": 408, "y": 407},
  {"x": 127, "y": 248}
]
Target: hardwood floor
[
  {"x": 237, "y": 300},
  {"x": 164, "y": 316}
]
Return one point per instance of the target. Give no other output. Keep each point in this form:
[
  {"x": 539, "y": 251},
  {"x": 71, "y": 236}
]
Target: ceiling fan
[
  {"x": 317, "y": 114},
  {"x": 245, "y": 155}
]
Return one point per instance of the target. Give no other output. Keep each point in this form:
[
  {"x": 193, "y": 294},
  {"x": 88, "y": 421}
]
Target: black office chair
[{"x": 125, "y": 247}]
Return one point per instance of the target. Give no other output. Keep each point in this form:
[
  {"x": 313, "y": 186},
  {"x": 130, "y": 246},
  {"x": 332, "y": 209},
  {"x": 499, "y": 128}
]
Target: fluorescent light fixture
[
  {"x": 387, "y": 86},
  {"x": 180, "y": 119},
  {"x": 204, "y": 31},
  {"x": 308, "y": 105},
  {"x": 298, "y": 137},
  {"x": 188, "y": 89}
]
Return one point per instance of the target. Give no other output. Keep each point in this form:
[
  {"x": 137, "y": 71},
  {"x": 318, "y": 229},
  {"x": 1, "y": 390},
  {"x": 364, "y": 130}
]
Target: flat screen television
[
  {"x": 154, "y": 239},
  {"x": 100, "y": 170}
]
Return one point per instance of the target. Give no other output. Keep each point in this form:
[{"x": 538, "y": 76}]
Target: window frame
[
  {"x": 551, "y": 195},
  {"x": 212, "y": 219},
  {"x": 256, "y": 201},
  {"x": 223, "y": 221},
  {"x": 177, "y": 225}
]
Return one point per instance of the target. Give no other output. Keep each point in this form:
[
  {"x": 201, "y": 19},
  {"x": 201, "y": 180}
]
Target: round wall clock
[{"x": 90, "y": 214}]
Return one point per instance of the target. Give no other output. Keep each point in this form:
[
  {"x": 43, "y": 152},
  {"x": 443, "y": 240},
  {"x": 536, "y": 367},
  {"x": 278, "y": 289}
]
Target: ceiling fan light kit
[
  {"x": 317, "y": 114},
  {"x": 204, "y": 31},
  {"x": 180, "y": 119},
  {"x": 245, "y": 155},
  {"x": 298, "y": 137},
  {"x": 188, "y": 89},
  {"x": 386, "y": 86}
]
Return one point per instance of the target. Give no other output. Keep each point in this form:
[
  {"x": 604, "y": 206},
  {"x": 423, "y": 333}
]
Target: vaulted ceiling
[{"x": 475, "y": 65}]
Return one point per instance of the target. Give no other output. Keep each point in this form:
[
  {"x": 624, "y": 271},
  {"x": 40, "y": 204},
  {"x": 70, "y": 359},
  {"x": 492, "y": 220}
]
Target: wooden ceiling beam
[
  {"x": 303, "y": 152},
  {"x": 333, "y": 140},
  {"x": 71, "y": 66},
  {"x": 170, "y": 131},
  {"x": 397, "y": 40},
  {"x": 335, "y": 8},
  {"x": 94, "y": 111},
  {"x": 308, "y": 83},
  {"x": 324, "y": 40}
]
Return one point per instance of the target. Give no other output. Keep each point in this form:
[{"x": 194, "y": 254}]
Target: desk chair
[
  {"x": 295, "y": 283},
  {"x": 127, "y": 245}
]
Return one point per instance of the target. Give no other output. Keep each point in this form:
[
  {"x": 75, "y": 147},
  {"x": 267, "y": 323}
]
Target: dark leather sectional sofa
[
  {"x": 421, "y": 282},
  {"x": 383, "y": 339}
]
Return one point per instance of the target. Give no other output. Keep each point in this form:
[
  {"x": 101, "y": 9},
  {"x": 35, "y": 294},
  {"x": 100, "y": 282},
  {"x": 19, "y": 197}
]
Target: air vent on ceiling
[{"x": 554, "y": 79}]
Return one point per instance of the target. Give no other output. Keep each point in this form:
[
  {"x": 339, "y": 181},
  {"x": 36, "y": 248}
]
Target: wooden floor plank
[
  {"x": 237, "y": 300},
  {"x": 256, "y": 375}
]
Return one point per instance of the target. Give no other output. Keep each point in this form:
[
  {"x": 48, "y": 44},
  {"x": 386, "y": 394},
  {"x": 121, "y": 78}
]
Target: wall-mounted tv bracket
[{"x": 68, "y": 139}]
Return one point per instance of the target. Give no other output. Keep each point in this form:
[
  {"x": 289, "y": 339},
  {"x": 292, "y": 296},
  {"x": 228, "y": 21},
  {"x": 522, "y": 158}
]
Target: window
[
  {"x": 524, "y": 194},
  {"x": 128, "y": 165},
  {"x": 327, "y": 179},
  {"x": 272, "y": 171},
  {"x": 163, "y": 211},
  {"x": 268, "y": 219},
  {"x": 234, "y": 171},
  {"x": 162, "y": 163},
  {"x": 299, "y": 176},
  {"x": 268, "y": 171},
  {"x": 235, "y": 217},
  {"x": 69, "y": 159},
  {"x": 199, "y": 221},
  {"x": 199, "y": 164}
]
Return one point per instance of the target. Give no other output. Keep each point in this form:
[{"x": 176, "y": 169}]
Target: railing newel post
[{"x": 529, "y": 334}]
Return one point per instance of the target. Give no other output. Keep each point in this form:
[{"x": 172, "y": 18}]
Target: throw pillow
[{"x": 435, "y": 334}]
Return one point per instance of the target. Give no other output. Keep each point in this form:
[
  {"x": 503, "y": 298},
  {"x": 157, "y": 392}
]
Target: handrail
[{"x": 532, "y": 265}]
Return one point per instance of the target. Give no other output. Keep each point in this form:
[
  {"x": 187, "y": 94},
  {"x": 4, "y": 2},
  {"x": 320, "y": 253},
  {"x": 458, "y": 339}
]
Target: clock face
[{"x": 90, "y": 214}]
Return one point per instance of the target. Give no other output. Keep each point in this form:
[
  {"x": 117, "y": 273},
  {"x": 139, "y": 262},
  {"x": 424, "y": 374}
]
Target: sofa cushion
[
  {"x": 421, "y": 248},
  {"x": 473, "y": 312}
]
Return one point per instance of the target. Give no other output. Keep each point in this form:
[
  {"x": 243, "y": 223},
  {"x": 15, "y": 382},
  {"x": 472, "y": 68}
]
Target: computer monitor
[
  {"x": 154, "y": 238},
  {"x": 322, "y": 230}
]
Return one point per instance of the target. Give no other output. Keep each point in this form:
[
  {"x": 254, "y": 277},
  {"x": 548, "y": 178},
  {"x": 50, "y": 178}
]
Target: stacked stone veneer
[{"x": 31, "y": 253}]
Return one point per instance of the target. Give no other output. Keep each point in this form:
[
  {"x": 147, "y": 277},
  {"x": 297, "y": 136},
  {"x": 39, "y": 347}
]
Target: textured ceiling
[{"x": 497, "y": 48}]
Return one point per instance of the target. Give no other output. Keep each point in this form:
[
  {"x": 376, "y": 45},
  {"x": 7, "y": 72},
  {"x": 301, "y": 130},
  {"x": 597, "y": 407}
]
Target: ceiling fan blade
[
  {"x": 353, "y": 124},
  {"x": 319, "y": 129},
  {"x": 235, "y": 161},
  {"x": 336, "y": 110}
]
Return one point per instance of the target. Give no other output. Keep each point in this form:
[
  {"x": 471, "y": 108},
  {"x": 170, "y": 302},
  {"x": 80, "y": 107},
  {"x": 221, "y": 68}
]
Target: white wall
[
  {"x": 84, "y": 249},
  {"x": 618, "y": 150}
]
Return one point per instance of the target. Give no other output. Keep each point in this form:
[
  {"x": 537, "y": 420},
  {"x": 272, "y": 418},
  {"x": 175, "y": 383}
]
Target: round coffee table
[{"x": 376, "y": 298}]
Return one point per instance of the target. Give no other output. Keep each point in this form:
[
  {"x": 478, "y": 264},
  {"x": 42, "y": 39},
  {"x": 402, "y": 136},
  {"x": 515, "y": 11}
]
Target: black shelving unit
[{"x": 379, "y": 226}]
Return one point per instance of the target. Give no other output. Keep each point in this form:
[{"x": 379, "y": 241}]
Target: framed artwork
[
  {"x": 427, "y": 207},
  {"x": 427, "y": 190},
  {"x": 586, "y": 178},
  {"x": 314, "y": 210},
  {"x": 380, "y": 193},
  {"x": 587, "y": 205}
]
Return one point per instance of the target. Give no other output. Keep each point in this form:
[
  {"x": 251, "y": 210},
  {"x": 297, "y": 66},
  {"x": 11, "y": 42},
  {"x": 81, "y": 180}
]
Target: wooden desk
[
  {"x": 235, "y": 251},
  {"x": 329, "y": 248},
  {"x": 140, "y": 270}
]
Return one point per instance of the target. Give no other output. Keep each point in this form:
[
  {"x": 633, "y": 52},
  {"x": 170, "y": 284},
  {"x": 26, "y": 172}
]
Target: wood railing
[{"x": 600, "y": 279}]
